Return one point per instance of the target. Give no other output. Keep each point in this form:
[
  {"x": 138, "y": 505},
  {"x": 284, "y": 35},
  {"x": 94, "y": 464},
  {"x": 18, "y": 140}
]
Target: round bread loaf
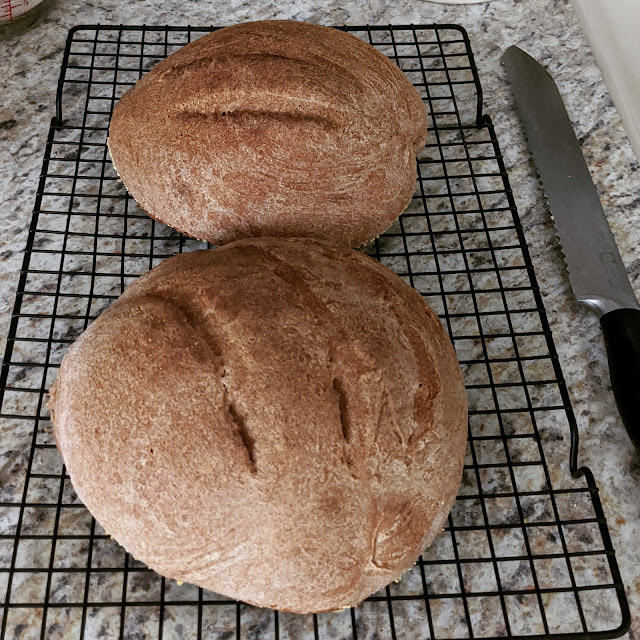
[
  {"x": 271, "y": 129},
  {"x": 280, "y": 421}
]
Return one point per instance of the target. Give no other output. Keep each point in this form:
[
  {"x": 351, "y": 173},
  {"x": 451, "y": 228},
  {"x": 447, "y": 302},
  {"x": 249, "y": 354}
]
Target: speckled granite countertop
[{"x": 546, "y": 28}]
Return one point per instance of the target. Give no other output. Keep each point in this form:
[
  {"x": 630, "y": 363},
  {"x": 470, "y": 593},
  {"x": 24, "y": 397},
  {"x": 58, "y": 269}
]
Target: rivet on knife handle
[{"x": 596, "y": 271}]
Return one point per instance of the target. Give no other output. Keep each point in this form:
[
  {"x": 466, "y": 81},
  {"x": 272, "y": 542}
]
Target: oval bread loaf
[
  {"x": 271, "y": 128},
  {"x": 280, "y": 421}
]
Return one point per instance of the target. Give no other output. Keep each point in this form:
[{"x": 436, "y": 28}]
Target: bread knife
[{"x": 596, "y": 271}]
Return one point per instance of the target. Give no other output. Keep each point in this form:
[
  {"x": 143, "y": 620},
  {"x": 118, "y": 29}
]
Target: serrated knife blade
[{"x": 596, "y": 271}]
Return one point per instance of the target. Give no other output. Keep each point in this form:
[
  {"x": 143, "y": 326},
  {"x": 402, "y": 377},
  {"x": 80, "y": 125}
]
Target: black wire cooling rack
[{"x": 526, "y": 552}]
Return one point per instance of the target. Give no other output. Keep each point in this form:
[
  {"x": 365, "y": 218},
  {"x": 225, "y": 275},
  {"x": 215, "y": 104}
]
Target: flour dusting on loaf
[
  {"x": 279, "y": 420},
  {"x": 273, "y": 128}
]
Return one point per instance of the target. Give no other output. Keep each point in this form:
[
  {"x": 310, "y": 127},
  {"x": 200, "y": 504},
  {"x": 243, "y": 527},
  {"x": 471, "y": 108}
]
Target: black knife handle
[{"x": 621, "y": 329}]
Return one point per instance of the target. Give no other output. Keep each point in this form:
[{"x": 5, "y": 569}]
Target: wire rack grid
[{"x": 526, "y": 552}]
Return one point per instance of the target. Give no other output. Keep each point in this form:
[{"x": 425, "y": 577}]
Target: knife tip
[{"x": 511, "y": 52}]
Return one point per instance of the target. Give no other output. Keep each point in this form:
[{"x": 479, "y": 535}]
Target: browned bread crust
[
  {"x": 279, "y": 421},
  {"x": 271, "y": 128}
]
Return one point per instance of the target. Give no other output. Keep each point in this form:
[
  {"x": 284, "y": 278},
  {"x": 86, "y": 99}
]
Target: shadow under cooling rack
[{"x": 526, "y": 552}]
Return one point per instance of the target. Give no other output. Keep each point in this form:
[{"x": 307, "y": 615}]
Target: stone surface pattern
[{"x": 549, "y": 30}]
